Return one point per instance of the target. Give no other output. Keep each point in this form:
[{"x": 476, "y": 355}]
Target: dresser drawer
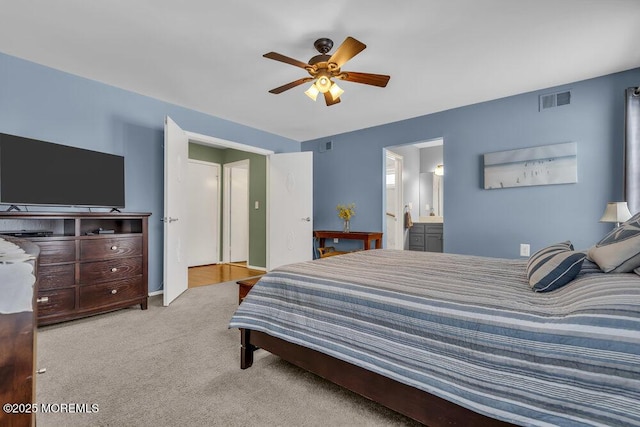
[
  {"x": 56, "y": 251},
  {"x": 57, "y": 301},
  {"x": 56, "y": 276},
  {"x": 111, "y": 293},
  {"x": 91, "y": 249},
  {"x": 113, "y": 269}
]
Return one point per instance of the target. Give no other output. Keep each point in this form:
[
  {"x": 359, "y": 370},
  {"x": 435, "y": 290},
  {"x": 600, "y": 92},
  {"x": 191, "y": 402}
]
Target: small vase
[{"x": 346, "y": 226}]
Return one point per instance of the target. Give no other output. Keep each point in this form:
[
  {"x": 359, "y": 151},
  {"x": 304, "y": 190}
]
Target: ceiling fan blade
[
  {"x": 290, "y": 85},
  {"x": 379, "y": 80},
  {"x": 329, "y": 99},
  {"x": 349, "y": 48},
  {"x": 285, "y": 59}
]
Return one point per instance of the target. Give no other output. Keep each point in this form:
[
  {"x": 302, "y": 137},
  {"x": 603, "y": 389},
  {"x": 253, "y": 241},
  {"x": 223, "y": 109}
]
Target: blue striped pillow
[{"x": 554, "y": 266}]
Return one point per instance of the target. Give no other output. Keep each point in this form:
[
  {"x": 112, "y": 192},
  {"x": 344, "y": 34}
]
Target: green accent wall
[
  {"x": 257, "y": 192},
  {"x": 206, "y": 154}
]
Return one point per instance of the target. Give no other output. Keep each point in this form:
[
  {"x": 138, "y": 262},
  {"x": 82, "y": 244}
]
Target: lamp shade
[
  {"x": 312, "y": 92},
  {"x": 335, "y": 91},
  {"x": 616, "y": 212}
]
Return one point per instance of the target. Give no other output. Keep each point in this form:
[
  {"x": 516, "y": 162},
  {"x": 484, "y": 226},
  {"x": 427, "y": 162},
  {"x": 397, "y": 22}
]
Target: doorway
[
  {"x": 296, "y": 169},
  {"x": 422, "y": 186},
  {"x": 236, "y": 216}
]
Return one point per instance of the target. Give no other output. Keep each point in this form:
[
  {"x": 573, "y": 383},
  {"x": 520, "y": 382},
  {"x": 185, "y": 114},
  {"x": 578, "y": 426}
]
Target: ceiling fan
[{"x": 324, "y": 68}]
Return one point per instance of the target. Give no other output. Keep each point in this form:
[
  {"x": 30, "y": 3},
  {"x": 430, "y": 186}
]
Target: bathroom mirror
[{"x": 431, "y": 195}]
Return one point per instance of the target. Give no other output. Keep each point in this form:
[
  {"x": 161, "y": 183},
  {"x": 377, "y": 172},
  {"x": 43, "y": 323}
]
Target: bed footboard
[{"x": 410, "y": 401}]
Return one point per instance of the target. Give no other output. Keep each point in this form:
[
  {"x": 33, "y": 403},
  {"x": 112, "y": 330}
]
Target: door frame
[
  {"x": 188, "y": 137},
  {"x": 215, "y": 142},
  {"x": 226, "y": 223},
  {"x": 223, "y": 143},
  {"x": 399, "y": 213}
]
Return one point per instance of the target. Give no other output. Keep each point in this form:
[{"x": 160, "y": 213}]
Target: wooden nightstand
[{"x": 245, "y": 286}]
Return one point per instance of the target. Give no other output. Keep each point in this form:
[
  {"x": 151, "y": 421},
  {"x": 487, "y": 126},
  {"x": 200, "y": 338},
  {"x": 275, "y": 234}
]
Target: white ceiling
[{"x": 207, "y": 54}]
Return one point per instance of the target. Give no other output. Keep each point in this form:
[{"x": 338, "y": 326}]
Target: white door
[
  {"x": 236, "y": 244},
  {"x": 239, "y": 214},
  {"x": 394, "y": 213},
  {"x": 290, "y": 214},
  {"x": 176, "y": 154},
  {"x": 203, "y": 208}
]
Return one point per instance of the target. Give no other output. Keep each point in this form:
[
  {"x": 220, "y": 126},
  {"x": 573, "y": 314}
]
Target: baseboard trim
[
  {"x": 154, "y": 293},
  {"x": 253, "y": 267}
]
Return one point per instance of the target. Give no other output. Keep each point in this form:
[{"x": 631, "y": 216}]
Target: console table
[{"x": 366, "y": 236}]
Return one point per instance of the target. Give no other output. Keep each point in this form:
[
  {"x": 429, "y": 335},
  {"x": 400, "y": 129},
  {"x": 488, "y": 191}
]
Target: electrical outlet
[
  {"x": 525, "y": 249},
  {"x": 335, "y": 240}
]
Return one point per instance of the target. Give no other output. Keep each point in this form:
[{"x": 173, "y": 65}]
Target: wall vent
[
  {"x": 553, "y": 100},
  {"x": 325, "y": 146}
]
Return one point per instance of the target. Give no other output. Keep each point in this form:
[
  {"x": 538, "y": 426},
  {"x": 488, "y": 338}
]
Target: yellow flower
[{"x": 346, "y": 211}]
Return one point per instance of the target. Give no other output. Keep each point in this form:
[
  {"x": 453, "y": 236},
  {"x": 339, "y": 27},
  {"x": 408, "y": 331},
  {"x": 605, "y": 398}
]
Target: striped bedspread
[{"x": 467, "y": 329}]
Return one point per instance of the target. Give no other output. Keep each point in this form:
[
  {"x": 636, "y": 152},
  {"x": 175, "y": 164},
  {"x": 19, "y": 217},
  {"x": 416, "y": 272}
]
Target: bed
[{"x": 456, "y": 340}]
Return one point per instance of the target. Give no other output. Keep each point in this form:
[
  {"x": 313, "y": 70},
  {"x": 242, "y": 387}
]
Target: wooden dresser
[
  {"x": 18, "y": 340},
  {"x": 90, "y": 263}
]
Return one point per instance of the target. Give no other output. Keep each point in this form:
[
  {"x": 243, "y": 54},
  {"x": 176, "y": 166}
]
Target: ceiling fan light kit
[
  {"x": 323, "y": 82},
  {"x": 324, "y": 68}
]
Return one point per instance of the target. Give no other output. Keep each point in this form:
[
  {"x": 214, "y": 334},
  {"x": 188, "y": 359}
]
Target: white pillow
[{"x": 619, "y": 251}]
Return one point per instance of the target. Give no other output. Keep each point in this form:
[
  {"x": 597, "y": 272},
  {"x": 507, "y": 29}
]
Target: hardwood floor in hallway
[{"x": 218, "y": 273}]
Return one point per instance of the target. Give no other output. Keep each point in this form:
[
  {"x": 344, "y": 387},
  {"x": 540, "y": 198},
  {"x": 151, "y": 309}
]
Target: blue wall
[
  {"x": 491, "y": 222},
  {"x": 42, "y": 103}
]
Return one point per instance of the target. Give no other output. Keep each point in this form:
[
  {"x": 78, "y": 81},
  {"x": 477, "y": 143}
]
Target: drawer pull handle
[
  {"x": 114, "y": 247},
  {"x": 113, "y": 269},
  {"x": 43, "y": 299},
  {"x": 114, "y": 291}
]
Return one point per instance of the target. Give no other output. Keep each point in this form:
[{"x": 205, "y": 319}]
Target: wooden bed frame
[{"x": 410, "y": 401}]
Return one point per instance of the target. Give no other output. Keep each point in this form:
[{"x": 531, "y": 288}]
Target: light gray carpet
[{"x": 180, "y": 366}]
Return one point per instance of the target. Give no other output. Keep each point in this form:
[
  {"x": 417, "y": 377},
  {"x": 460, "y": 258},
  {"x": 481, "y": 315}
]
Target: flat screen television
[{"x": 36, "y": 172}]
